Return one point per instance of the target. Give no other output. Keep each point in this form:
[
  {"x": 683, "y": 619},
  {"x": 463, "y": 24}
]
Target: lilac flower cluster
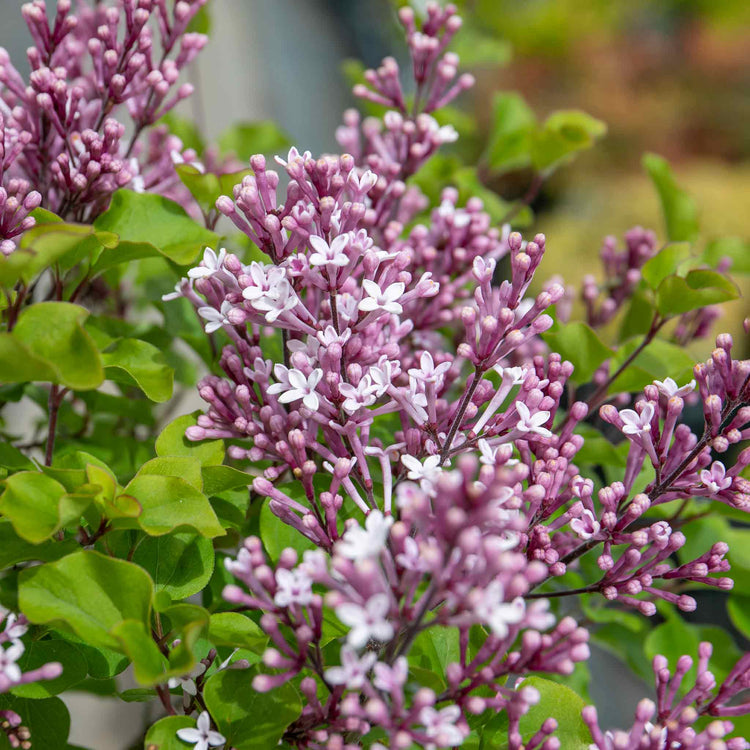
[
  {"x": 474, "y": 499},
  {"x": 60, "y": 132},
  {"x": 675, "y": 714}
]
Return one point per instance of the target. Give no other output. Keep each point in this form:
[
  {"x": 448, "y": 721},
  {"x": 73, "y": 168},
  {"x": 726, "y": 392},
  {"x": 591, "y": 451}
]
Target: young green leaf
[
  {"x": 131, "y": 361},
  {"x": 579, "y": 344},
  {"x": 247, "y": 138},
  {"x": 678, "y": 207},
  {"x": 699, "y": 288},
  {"x": 172, "y": 442}
]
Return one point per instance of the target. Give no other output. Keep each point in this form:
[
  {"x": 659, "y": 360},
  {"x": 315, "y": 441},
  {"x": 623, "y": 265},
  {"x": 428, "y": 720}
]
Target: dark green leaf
[
  {"x": 48, "y": 720},
  {"x": 248, "y": 719},
  {"x": 235, "y": 629},
  {"x": 163, "y": 734},
  {"x": 39, "y": 653}
]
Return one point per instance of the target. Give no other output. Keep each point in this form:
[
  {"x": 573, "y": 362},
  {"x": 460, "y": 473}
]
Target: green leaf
[
  {"x": 14, "y": 550},
  {"x": 235, "y": 629},
  {"x": 563, "y": 134},
  {"x": 638, "y": 318},
  {"x": 699, "y": 288},
  {"x": 39, "y": 653},
  {"x": 150, "y": 225},
  {"x": 44, "y": 246},
  {"x": 660, "y": 359},
  {"x": 89, "y": 593},
  {"x": 578, "y": 343},
  {"x": 248, "y": 138},
  {"x": 187, "y": 468},
  {"x": 181, "y": 564},
  {"x": 172, "y": 442},
  {"x": 19, "y": 365},
  {"x": 38, "y": 506},
  {"x": 734, "y": 248},
  {"x": 141, "y": 363},
  {"x": 434, "y": 649},
  {"x": 678, "y": 207},
  {"x": 673, "y": 639},
  {"x": 163, "y": 734},
  {"x": 248, "y": 719},
  {"x": 11, "y": 458},
  {"x": 665, "y": 263},
  {"x": 738, "y": 607},
  {"x": 169, "y": 503},
  {"x": 217, "y": 479},
  {"x": 185, "y": 129},
  {"x": 276, "y": 534},
  {"x": 53, "y": 333},
  {"x": 513, "y": 122},
  {"x": 149, "y": 664},
  {"x": 206, "y": 187},
  {"x": 47, "y": 720}
]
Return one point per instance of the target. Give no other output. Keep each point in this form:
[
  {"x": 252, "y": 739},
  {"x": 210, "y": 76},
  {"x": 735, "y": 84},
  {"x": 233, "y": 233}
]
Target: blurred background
[{"x": 669, "y": 76}]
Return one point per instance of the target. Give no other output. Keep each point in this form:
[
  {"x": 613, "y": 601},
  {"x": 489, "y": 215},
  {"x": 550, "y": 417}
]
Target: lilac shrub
[{"x": 426, "y": 479}]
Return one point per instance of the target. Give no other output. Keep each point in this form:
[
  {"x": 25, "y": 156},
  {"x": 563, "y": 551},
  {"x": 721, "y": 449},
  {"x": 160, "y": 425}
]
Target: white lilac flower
[
  {"x": 364, "y": 394},
  {"x": 270, "y": 292},
  {"x": 382, "y": 375},
  {"x": 385, "y": 299},
  {"x": 529, "y": 423},
  {"x": 440, "y": 726},
  {"x": 670, "y": 388},
  {"x": 411, "y": 558},
  {"x": 176, "y": 294},
  {"x": 214, "y": 318},
  {"x": 425, "y": 472},
  {"x": 428, "y": 372},
  {"x": 715, "y": 478},
  {"x": 359, "y": 543},
  {"x": 211, "y": 264},
  {"x": 330, "y": 336},
  {"x": 634, "y": 423},
  {"x": 332, "y": 254},
  {"x": 362, "y": 183},
  {"x": 293, "y": 587},
  {"x": 494, "y": 611},
  {"x": 353, "y": 669},
  {"x": 201, "y": 736},
  {"x": 8, "y": 658},
  {"x": 367, "y": 623},
  {"x": 13, "y": 628},
  {"x": 488, "y": 453},
  {"x": 187, "y": 682},
  {"x": 294, "y": 385},
  {"x": 585, "y": 526}
]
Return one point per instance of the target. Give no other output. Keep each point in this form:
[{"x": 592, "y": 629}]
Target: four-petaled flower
[
  {"x": 493, "y": 610},
  {"x": 364, "y": 394},
  {"x": 389, "y": 678},
  {"x": 585, "y": 526},
  {"x": 210, "y": 264},
  {"x": 187, "y": 682},
  {"x": 359, "y": 544},
  {"x": 670, "y": 388},
  {"x": 292, "y": 587},
  {"x": 353, "y": 669},
  {"x": 715, "y": 478},
  {"x": 295, "y": 385},
  {"x": 428, "y": 372},
  {"x": 426, "y": 473},
  {"x": 215, "y": 318},
  {"x": 440, "y": 726},
  {"x": 385, "y": 300},
  {"x": 367, "y": 623},
  {"x": 528, "y": 423},
  {"x": 202, "y": 736},
  {"x": 634, "y": 423},
  {"x": 329, "y": 255},
  {"x": 8, "y": 658}
]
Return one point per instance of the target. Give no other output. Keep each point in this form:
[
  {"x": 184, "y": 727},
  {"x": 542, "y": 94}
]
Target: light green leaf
[
  {"x": 172, "y": 442},
  {"x": 678, "y": 207},
  {"x": 220, "y": 478},
  {"x": 38, "y": 506},
  {"x": 665, "y": 263},
  {"x": 150, "y": 225},
  {"x": 235, "y": 629},
  {"x": 276, "y": 534},
  {"x": 163, "y": 734},
  {"x": 738, "y": 607},
  {"x": 132, "y": 361},
  {"x": 248, "y": 138},
  {"x": 513, "y": 123},
  {"x": 248, "y": 719},
  {"x": 181, "y": 564},
  {"x": 187, "y": 468},
  {"x": 53, "y": 333},
  {"x": 660, "y": 359},
  {"x": 149, "y": 664},
  {"x": 89, "y": 593},
  {"x": 14, "y": 550},
  {"x": 579, "y": 344},
  {"x": 563, "y": 134},
  {"x": 169, "y": 503},
  {"x": 699, "y": 288}
]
